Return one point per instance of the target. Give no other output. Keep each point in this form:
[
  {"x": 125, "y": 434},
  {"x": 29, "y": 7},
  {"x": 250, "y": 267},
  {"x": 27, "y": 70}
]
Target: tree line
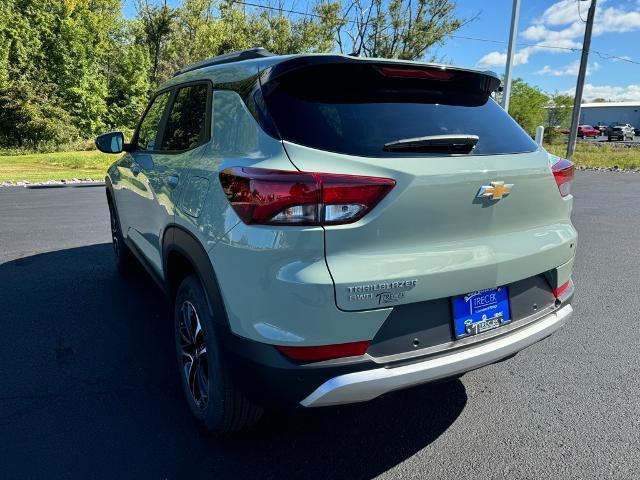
[{"x": 72, "y": 68}]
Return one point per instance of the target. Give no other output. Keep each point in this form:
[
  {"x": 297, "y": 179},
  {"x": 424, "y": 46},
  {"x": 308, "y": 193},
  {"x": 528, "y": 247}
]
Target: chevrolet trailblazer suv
[{"x": 331, "y": 228}]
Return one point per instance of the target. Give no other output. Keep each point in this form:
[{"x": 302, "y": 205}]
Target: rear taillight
[
  {"x": 277, "y": 197},
  {"x": 563, "y": 171},
  {"x": 324, "y": 352}
]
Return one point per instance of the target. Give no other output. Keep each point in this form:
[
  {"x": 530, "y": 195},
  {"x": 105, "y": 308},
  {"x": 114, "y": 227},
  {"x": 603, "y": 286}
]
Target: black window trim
[{"x": 173, "y": 89}]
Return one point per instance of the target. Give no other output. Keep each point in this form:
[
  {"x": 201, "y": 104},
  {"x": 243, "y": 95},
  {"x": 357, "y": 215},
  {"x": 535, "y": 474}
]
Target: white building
[{"x": 607, "y": 113}]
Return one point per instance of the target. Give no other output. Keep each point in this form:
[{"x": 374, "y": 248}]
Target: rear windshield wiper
[{"x": 454, "y": 143}]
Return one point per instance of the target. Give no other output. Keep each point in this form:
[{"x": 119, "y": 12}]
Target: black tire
[
  {"x": 213, "y": 397},
  {"x": 124, "y": 258}
]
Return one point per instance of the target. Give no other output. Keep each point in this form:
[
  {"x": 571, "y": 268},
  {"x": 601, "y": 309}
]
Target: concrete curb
[{"x": 65, "y": 185}]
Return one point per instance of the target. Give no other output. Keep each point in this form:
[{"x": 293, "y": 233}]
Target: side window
[
  {"x": 148, "y": 132},
  {"x": 235, "y": 132},
  {"x": 187, "y": 126}
]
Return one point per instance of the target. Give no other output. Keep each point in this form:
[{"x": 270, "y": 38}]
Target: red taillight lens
[
  {"x": 558, "y": 292},
  {"x": 276, "y": 197},
  {"x": 324, "y": 352},
  {"x": 563, "y": 171}
]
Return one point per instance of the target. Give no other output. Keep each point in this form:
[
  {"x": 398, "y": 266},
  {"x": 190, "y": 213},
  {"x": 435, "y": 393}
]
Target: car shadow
[{"x": 89, "y": 388}]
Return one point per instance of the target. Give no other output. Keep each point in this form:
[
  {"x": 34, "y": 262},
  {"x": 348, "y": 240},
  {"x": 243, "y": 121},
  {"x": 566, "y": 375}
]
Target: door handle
[
  {"x": 135, "y": 169},
  {"x": 172, "y": 181}
]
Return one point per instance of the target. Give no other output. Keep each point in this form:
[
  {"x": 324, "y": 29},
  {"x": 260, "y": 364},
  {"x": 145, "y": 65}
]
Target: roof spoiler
[{"x": 489, "y": 81}]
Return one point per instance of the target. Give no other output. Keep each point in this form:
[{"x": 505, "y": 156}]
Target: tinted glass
[
  {"x": 148, "y": 132},
  {"x": 235, "y": 132},
  {"x": 186, "y": 125},
  {"x": 357, "y": 111}
]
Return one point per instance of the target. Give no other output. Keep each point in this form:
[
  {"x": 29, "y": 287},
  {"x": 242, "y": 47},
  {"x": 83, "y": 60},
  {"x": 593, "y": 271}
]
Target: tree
[
  {"x": 559, "y": 110},
  {"x": 206, "y": 28},
  {"x": 128, "y": 85},
  {"x": 72, "y": 68},
  {"x": 558, "y": 116},
  {"x": 157, "y": 22},
  {"x": 32, "y": 116},
  {"x": 51, "y": 68},
  {"x": 527, "y": 105},
  {"x": 402, "y": 29}
]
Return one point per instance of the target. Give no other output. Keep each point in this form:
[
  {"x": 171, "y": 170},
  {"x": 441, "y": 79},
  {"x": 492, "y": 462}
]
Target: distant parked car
[
  {"x": 585, "y": 131},
  {"x": 636, "y": 132},
  {"x": 620, "y": 132}
]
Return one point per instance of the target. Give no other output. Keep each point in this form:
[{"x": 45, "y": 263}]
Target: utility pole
[
  {"x": 586, "y": 44},
  {"x": 506, "y": 93}
]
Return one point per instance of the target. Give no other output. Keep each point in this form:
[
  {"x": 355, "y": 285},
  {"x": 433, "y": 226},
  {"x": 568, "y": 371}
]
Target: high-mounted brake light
[
  {"x": 563, "y": 171},
  {"x": 278, "y": 197},
  {"x": 324, "y": 352},
  {"x": 424, "y": 73}
]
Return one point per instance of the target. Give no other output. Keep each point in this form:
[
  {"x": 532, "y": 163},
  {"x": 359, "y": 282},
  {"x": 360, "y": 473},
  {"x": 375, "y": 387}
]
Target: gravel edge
[{"x": 54, "y": 183}]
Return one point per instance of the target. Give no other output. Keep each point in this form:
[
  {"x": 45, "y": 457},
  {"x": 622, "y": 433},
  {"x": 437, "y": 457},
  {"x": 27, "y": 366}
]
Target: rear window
[{"x": 357, "y": 109}]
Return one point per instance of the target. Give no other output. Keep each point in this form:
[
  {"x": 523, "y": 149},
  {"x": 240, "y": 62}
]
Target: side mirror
[{"x": 112, "y": 142}]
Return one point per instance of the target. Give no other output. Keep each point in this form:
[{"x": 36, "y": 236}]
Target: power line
[
  {"x": 503, "y": 42},
  {"x": 580, "y": 12},
  {"x": 268, "y": 7},
  {"x": 602, "y": 55}
]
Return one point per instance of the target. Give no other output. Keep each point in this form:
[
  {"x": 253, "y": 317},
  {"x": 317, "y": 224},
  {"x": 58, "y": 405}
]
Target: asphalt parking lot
[{"x": 88, "y": 387}]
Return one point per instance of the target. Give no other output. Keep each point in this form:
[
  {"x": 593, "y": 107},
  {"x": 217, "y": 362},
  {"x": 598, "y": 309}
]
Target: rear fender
[{"x": 176, "y": 239}]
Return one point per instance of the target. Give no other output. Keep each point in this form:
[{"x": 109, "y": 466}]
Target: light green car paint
[
  {"x": 433, "y": 233},
  {"x": 295, "y": 285}
]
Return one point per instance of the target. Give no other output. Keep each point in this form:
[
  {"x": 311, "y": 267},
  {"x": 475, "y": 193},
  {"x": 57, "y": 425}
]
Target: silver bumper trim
[{"x": 369, "y": 384}]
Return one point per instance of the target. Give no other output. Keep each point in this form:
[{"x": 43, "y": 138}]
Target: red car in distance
[{"x": 585, "y": 131}]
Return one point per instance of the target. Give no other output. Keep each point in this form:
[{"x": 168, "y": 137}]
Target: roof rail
[{"x": 249, "y": 54}]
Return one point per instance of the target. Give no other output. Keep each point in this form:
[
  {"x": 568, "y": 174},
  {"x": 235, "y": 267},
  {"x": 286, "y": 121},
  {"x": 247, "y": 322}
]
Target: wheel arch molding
[
  {"x": 108, "y": 187},
  {"x": 183, "y": 254}
]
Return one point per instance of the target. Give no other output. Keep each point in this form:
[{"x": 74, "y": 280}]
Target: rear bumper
[{"x": 369, "y": 384}]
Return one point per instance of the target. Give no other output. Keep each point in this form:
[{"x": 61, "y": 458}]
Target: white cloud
[
  {"x": 569, "y": 69},
  {"x": 560, "y": 25},
  {"x": 608, "y": 92},
  {"x": 497, "y": 59}
]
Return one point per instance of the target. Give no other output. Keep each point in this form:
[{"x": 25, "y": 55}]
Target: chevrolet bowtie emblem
[{"x": 495, "y": 191}]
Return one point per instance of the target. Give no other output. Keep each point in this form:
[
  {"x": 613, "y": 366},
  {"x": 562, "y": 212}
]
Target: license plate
[{"x": 480, "y": 311}]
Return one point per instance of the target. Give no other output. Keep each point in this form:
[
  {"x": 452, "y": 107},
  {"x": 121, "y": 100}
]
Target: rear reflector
[
  {"x": 563, "y": 171},
  {"x": 558, "y": 292},
  {"x": 324, "y": 352},
  {"x": 278, "y": 197}
]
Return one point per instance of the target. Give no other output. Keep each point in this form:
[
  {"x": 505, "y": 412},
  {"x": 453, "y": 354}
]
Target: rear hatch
[{"x": 431, "y": 236}]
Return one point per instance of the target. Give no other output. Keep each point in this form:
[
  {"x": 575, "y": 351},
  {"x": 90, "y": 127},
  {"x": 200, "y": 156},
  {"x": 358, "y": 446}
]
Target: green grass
[
  {"x": 39, "y": 167},
  {"x": 605, "y": 155}
]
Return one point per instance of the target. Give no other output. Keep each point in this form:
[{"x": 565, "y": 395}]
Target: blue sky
[
  {"x": 542, "y": 23},
  {"x": 546, "y": 22}
]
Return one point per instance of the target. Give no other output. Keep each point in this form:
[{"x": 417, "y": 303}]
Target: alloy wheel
[{"x": 193, "y": 354}]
